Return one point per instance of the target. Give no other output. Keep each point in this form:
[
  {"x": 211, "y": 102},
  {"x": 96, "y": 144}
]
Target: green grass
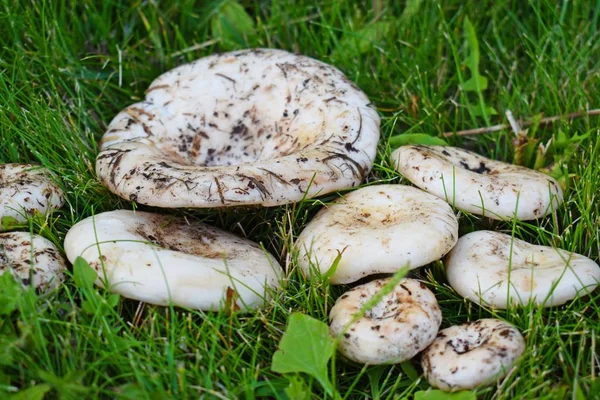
[{"x": 67, "y": 67}]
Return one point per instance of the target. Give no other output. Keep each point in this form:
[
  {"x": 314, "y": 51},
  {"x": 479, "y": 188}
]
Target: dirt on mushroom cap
[
  {"x": 482, "y": 268},
  {"x": 27, "y": 189},
  {"x": 32, "y": 260},
  {"x": 397, "y": 328},
  {"x": 162, "y": 259},
  {"x": 378, "y": 229},
  {"x": 257, "y": 126},
  {"x": 472, "y": 354},
  {"x": 477, "y": 184}
]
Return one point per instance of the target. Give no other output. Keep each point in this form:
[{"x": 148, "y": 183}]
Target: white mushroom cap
[
  {"x": 257, "y": 126},
  {"x": 480, "y": 268},
  {"x": 477, "y": 184},
  {"x": 157, "y": 259},
  {"x": 472, "y": 354},
  {"x": 26, "y": 189},
  {"x": 402, "y": 324},
  {"x": 379, "y": 229},
  {"x": 32, "y": 260}
]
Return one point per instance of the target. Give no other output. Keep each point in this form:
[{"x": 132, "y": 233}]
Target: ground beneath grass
[{"x": 66, "y": 68}]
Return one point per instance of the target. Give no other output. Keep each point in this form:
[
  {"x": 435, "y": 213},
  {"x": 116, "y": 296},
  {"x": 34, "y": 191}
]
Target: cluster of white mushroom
[
  {"x": 253, "y": 127},
  {"x": 380, "y": 229},
  {"x": 266, "y": 127},
  {"x": 33, "y": 260}
]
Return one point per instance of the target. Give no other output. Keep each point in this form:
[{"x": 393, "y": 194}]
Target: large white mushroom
[
  {"x": 472, "y": 354},
  {"x": 32, "y": 260},
  {"x": 166, "y": 260},
  {"x": 377, "y": 229},
  {"x": 496, "y": 270},
  {"x": 26, "y": 189},
  {"x": 401, "y": 325},
  {"x": 477, "y": 184},
  {"x": 256, "y": 126}
]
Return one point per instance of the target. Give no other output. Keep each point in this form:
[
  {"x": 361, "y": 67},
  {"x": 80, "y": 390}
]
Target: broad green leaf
[
  {"x": 472, "y": 61},
  {"x": 84, "y": 275},
  {"x": 416, "y": 138},
  {"x": 439, "y": 395},
  {"x": 10, "y": 293},
  {"x": 362, "y": 40},
  {"x": 36, "y": 392},
  {"x": 89, "y": 307},
  {"x": 374, "y": 373},
  {"x": 297, "y": 389},
  {"x": 410, "y": 370},
  {"x": 305, "y": 347},
  {"x": 113, "y": 300},
  {"x": 7, "y": 223},
  {"x": 232, "y": 24},
  {"x": 475, "y": 110},
  {"x": 411, "y": 9},
  {"x": 562, "y": 140},
  {"x": 475, "y": 85}
]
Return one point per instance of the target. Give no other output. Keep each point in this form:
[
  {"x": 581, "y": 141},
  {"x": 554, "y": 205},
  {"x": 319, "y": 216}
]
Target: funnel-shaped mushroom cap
[
  {"x": 26, "y": 189},
  {"x": 161, "y": 259},
  {"x": 378, "y": 229},
  {"x": 472, "y": 354},
  {"x": 402, "y": 324},
  {"x": 481, "y": 268},
  {"x": 32, "y": 260},
  {"x": 249, "y": 127},
  {"x": 477, "y": 184}
]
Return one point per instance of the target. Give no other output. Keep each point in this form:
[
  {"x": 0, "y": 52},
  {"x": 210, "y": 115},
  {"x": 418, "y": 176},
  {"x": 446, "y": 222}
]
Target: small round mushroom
[
  {"x": 258, "y": 126},
  {"x": 472, "y": 354},
  {"x": 161, "y": 259},
  {"x": 401, "y": 325},
  {"x": 477, "y": 184},
  {"x": 32, "y": 260},
  {"x": 481, "y": 268},
  {"x": 378, "y": 229},
  {"x": 26, "y": 189}
]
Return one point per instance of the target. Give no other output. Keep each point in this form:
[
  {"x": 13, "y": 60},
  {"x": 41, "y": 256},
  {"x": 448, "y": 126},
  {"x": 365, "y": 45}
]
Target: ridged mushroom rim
[
  {"x": 165, "y": 260},
  {"x": 377, "y": 229},
  {"x": 472, "y": 354},
  {"x": 258, "y": 126},
  {"x": 401, "y": 325},
  {"x": 477, "y": 184},
  {"x": 496, "y": 270},
  {"x": 32, "y": 260},
  {"x": 26, "y": 189}
]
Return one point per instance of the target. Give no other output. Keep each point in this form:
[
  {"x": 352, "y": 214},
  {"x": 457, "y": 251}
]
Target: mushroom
[
  {"x": 496, "y": 270},
  {"x": 166, "y": 260},
  {"x": 259, "y": 126},
  {"x": 377, "y": 229},
  {"x": 26, "y": 189},
  {"x": 32, "y": 260},
  {"x": 477, "y": 184},
  {"x": 398, "y": 327},
  {"x": 472, "y": 354}
]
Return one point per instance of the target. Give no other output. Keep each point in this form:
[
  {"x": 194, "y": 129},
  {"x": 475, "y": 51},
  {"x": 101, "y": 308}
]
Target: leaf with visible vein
[{"x": 305, "y": 347}]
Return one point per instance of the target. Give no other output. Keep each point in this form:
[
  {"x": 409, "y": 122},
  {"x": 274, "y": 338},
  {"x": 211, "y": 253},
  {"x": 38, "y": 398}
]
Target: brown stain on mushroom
[
  {"x": 265, "y": 112},
  {"x": 31, "y": 259}
]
